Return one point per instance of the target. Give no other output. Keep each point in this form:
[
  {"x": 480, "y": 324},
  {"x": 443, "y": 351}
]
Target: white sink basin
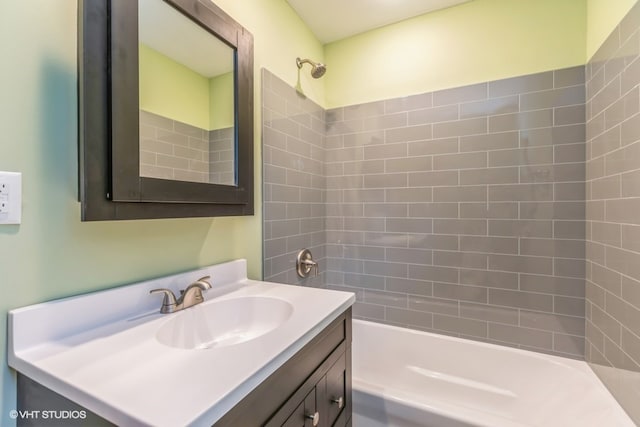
[{"x": 224, "y": 323}]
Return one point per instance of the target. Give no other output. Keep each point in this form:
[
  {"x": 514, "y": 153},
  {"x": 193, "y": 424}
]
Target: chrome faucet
[{"x": 189, "y": 297}]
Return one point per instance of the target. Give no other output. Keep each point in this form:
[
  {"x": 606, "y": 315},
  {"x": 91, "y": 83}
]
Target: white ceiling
[
  {"x": 169, "y": 32},
  {"x": 332, "y": 20}
]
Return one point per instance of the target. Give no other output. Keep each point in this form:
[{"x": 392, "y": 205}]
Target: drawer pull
[
  {"x": 315, "y": 417},
  {"x": 339, "y": 401}
]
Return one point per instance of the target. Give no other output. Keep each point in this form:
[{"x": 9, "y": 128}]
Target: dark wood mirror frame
[{"x": 109, "y": 181}]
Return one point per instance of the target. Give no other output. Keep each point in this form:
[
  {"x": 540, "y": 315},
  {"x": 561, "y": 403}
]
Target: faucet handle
[
  {"x": 305, "y": 264},
  {"x": 168, "y": 302},
  {"x": 203, "y": 283}
]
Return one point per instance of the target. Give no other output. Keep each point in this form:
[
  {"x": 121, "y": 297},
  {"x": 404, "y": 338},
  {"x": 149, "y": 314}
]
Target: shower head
[{"x": 317, "y": 69}]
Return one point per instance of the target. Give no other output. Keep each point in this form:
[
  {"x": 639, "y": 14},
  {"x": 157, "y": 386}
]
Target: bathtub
[{"x": 408, "y": 378}]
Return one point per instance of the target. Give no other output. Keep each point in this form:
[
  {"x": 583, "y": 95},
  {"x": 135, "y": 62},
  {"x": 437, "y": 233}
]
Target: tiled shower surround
[
  {"x": 613, "y": 213},
  {"x": 170, "y": 149},
  {"x": 459, "y": 211},
  {"x": 293, "y": 136},
  {"x": 462, "y": 211}
]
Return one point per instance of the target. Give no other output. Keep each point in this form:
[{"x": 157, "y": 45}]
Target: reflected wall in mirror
[{"x": 186, "y": 97}]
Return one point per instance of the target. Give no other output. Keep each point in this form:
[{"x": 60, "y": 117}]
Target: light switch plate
[{"x": 10, "y": 197}]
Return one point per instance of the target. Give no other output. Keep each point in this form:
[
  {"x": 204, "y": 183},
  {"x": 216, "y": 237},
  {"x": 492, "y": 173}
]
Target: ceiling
[
  {"x": 332, "y": 20},
  {"x": 169, "y": 32}
]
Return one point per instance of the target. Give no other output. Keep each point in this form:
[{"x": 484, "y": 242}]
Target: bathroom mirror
[
  {"x": 166, "y": 110},
  {"x": 186, "y": 94}
]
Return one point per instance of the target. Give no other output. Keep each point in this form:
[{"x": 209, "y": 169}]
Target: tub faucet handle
[
  {"x": 305, "y": 264},
  {"x": 311, "y": 264}
]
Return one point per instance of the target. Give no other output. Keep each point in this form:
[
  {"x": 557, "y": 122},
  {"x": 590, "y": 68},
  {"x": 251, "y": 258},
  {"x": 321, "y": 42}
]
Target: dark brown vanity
[{"x": 312, "y": 389}]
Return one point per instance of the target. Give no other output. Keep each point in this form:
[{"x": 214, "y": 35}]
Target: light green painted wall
[
  {"x": 53, "y": 254},
  {"x": 602, "y": 17},
  {"x": 475, "y": 42},
  {"x": 172, "y": 90},
  {"x": 221, "y": 101}
]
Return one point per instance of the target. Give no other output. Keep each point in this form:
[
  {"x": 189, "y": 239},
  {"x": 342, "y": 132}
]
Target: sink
[
  {"x": 138, "y": 365},
  {"x": 223, "y": 323}
]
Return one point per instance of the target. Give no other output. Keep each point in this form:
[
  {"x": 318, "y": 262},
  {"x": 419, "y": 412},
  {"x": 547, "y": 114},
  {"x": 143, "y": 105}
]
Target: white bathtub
[{"x": 408, "y": 378}]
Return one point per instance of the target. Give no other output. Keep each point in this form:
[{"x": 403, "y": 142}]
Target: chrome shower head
[{"x": 317, "y": 69}]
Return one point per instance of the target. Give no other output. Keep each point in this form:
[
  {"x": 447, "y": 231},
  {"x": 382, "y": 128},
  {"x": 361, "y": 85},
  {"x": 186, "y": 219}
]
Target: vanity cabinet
[
  {"x": 315, "y": 381},
  {"x": 313, "y": 388},
  {"x": 324, "y": 404}
]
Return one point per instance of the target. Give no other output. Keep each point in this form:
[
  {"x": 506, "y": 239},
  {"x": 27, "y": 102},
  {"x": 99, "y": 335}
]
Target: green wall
[
  {"x": 279, "y": 36},
  {"x": 221, "y": 101},
  {"x": 53, "y": 254},
  {"x": 602, "y": 17},
  {"x": 172, "y": 90},
  {"x": 475, "y": 42}
]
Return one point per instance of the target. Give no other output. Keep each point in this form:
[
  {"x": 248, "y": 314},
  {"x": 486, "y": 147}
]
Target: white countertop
[{"x": 100, "y": 351}]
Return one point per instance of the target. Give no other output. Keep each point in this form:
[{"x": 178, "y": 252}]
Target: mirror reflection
[{"x": 186, "y": 79}]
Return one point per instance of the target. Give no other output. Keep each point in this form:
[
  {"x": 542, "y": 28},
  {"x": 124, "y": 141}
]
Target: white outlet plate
[{"x": 10, "y": 197}]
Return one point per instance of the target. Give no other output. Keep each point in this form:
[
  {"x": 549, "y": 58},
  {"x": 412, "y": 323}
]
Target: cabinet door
[
  {"x": 337, "y": 392},
  {"x": 296, "y": 419},
  {"x": 311, "y": 414},
  {"x": 305, "y": 413}
]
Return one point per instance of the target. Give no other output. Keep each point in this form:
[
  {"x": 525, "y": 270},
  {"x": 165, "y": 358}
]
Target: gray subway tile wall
[
  {"x": 471, "y": 178},
  {"x": 221, "y": 146},
  {"x": 170, "y": 149},
  {"x": 294, "y": 182},
  {"x": 458, "y": 212},
  {"x": 613, "y": 213}
]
